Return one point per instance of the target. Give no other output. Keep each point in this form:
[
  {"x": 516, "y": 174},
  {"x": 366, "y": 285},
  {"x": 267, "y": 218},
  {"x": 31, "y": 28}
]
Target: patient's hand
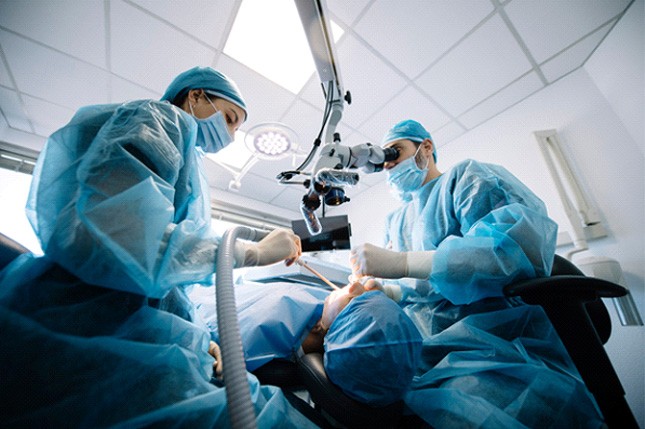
[{"x": 215, "y": 351}]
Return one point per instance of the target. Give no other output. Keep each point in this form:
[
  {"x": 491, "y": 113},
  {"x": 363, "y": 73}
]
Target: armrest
[
  {"x": 576, "y": 295},
  {"x": 580, "y": 288},
  {"x": 339, "y": 406},
  {"x": 279, "y": 372}
]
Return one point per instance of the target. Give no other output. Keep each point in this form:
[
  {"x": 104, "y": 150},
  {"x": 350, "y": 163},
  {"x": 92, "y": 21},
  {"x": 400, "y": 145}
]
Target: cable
[{"x": 317, "y": 141}]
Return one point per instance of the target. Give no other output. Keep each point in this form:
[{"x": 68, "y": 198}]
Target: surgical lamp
[
  {"x": 271, "y": 141},
  {"x": 330, "y": 172}
]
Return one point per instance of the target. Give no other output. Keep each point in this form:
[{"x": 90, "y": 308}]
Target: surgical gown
[
  {"x": 99, "y": 331},
  {"x": 488, "y": 362},
  {"x": 274, "y": 317}
]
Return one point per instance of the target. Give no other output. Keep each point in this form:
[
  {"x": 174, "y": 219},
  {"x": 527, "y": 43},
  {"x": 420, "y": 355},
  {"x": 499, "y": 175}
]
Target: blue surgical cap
[
  {"x": 372, "y": 350},
  {"x": 409, "y": 130},
  {"x": 205, "y": 78}
]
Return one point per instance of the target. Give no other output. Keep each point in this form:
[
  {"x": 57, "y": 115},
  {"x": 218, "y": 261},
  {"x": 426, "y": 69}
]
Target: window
[{"x": 14, "y": 189}]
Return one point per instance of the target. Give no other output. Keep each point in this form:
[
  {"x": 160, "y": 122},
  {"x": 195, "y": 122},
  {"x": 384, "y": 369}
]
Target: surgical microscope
[{"x": 333, "y": 170}]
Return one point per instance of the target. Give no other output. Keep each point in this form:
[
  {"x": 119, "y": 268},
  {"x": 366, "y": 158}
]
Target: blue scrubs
[
  {"x": 487, "y": 362},
  {"x": 99, "y": 331}
]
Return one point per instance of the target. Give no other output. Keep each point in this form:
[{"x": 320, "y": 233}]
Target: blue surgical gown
[
  {"x": 488, "y": 362},
  {"x": 119, "y": 199},
  {"x": 274, "y": 317},
  {"x": 99, "y": 331}
]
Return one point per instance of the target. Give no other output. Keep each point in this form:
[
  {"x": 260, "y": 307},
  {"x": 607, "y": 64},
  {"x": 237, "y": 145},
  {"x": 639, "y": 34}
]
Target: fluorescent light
[
  {"x": 268, "y": 37},
  {"x": 234, "y": 155}
]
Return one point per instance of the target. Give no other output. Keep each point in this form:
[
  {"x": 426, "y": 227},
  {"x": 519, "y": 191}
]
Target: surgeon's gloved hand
[
  {"x": 218, "y": 369},
  {"x": 281, "y": 244},
  {"x": 370, "y": 260}
]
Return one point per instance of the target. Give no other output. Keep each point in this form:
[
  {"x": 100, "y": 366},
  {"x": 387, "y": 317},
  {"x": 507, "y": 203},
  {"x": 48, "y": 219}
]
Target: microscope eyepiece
[{"x": 390, "y": 154}]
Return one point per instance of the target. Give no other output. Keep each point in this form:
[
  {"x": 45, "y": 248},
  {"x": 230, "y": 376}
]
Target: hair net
[
  {"x": 210, "y": 80},
  {"x": 372, "y": 350},
  {"x": 409, "y": 130}
]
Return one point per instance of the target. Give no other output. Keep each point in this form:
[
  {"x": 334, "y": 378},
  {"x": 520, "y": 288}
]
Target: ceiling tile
[
  {"x": 352, "y": 192},
  {"x": 50, "y": 75},
  {"x": 347, "y": 11},
  {"x": 136, "y": 36},
  {"x": 573, "y": 57},
  {"x": 548, "y": 26},
  {"x": 499, "y": 102},
  {"x": 409, "y": 104},
  {"x": 430, "y": 28},
  {"x": 482, "y": 64},
  {"x": 4, "y": 125},
  {"x": 13, "y": 111},
  {"x": 289, "y": 198},
  {"x": 265, "y": 100},
  {"x": 259, "y": 188},
  {"x": 363, "y": 75},
  {"x": 371, "y": 179},
  {"x": 312, "y": 92},
  {"x": 4, "y": 74},
  {"x": 270, "y": 169},
  {"x": 204, "y": 19},
  {"x": 76, "y": 28},
  {"x": 447, "y": 133},
  {"x": 306, "y": 121},
  {"x": 216, "y": 175},
  {"x": 46, "y": 117},
  {"x": 123, "y": 90}
]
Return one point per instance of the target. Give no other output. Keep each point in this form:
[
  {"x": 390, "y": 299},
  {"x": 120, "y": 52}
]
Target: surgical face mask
[
  {"x": 406, "y": 176},
  {"x": 212, "y": 132}
]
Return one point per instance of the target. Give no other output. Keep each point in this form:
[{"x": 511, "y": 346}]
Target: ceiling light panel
[{"x": 268, "y": 37}]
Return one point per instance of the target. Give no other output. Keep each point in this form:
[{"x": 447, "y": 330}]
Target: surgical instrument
[{"x": 317, "y": 274}]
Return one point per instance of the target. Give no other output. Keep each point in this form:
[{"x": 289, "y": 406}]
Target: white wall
[
  {"x": 598, "y": 113},
  {"x": 618, "y": 69}
]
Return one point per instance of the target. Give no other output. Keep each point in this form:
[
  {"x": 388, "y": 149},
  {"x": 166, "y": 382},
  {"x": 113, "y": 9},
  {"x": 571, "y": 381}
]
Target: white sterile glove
[
  {"x": 392, "y": 291},
  {"x": 281, "y": 244},
  {"x": 370, "y": 260}
]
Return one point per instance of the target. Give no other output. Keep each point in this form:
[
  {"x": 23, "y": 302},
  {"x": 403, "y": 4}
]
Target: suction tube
[{"x": 238, "y": 393}]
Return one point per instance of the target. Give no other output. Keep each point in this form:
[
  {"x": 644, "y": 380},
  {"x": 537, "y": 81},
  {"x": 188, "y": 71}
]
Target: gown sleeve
[
  {"x": 123, "y": 205},
  {"x": 506, "y": 236}
]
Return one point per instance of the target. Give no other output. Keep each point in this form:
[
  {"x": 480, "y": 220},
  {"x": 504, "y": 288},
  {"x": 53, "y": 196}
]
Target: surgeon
[
  {"x": 456, "y": 240},
  {"x": 100, "y": 328},
  {"x": 350, "y": 326}
]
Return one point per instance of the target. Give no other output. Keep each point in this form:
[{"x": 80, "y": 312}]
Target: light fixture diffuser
[
  {"x": 271, "y": 140},
  {"x": 268, "y": 37}
]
